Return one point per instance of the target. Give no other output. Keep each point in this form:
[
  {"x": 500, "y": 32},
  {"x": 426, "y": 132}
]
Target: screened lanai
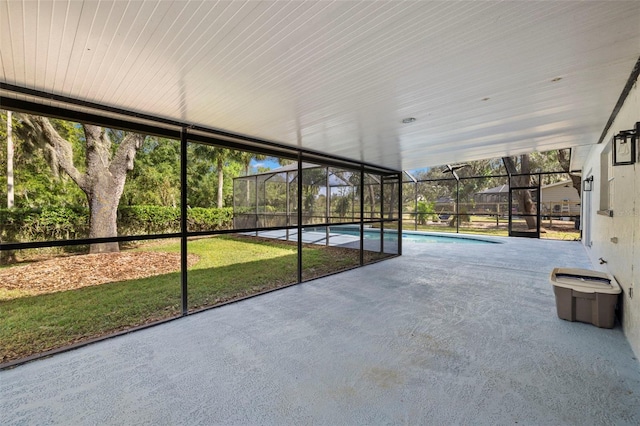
[
  {"x": 338, "y": 206},
  {"x": 181, "y": 251},
  {"x": 367, "y": 87},
  {"x": 329, "y": 195}
]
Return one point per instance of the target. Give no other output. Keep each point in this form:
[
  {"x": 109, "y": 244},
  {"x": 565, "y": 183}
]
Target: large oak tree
[
  {"x": 105, "y": 169},
  {"x": 523, "y": 180}
]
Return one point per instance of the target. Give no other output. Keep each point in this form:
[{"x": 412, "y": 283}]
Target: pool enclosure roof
[
  {"x": 504, "y": 189},
  {"x": 481, "y": 79}
]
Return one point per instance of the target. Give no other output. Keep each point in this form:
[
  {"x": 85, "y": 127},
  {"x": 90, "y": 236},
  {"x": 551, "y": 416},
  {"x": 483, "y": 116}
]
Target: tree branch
[
  {"x": 98, "y": 148},
  {"x": 58, "y": 150},
  {"x": 564, "y": 158},
  {"x": 126, "y": 153},
  {"x": 509, "y": 165}
]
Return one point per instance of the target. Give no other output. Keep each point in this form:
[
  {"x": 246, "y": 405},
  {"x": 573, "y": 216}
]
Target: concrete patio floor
[{"x": 446, "y": 334}]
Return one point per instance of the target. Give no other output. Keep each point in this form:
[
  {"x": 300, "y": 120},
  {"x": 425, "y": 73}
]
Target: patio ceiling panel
[{"x": 482, "y": 79}]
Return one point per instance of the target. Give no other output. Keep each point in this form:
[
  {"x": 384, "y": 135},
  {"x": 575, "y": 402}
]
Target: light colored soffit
[{"x": 482, "y": 79}]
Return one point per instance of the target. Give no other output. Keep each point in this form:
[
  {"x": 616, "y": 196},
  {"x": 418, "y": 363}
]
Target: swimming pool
[
  {"x": 437, "y": 238},
  {"x": 407, "y": 236}
]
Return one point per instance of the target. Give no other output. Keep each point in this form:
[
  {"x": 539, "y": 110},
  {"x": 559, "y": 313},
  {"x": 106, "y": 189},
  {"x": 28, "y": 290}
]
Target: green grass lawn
[
  {"x": 228, "y": 268},
  {"x": 486, "y": 225}
]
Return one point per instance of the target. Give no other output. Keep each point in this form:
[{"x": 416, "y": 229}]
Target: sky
[{"x": 270, "y": 163}]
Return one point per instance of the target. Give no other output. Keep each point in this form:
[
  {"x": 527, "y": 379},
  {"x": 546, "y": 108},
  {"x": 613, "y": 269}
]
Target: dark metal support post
[
  {"x": 510, "y": 207},
  {"x": 538, "y": 200},
  {"x": 264, "y": 201},
  {"x": 353, "y": 203},
  {"x": 415, "y": 209},
  {"x": 328, "y": 208},
  {"x": 287, "y": 209},
  {"x": 400, "y": 214},
  {"x": 183, "y": 220},
  {"x": 299, "y": 217},
  {"x": 361, "y": 216},
  {"x": 382, "y": 214},
  {"x": 510, "y": 200},
  {"x": 457, "y": 206},
  {"x": 257, "y": 222}
]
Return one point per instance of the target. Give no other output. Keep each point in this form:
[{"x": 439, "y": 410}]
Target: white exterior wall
[
  {"x": 560, "y": 192},
  {"x": 555, "y": 194},
  {"x": 623, "y": 256}
]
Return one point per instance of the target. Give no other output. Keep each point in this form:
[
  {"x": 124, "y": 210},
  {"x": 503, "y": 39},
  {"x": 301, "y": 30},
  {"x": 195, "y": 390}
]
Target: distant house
[
  {"x": 560, "y": 197},
  {"x": 556, "y": 198},
  {"x": 498, "y": 194}
]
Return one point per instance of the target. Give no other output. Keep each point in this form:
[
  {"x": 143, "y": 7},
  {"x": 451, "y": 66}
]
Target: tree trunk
[
  {"x": 103, "y": 207},
  {"x": 392, "y": 201},
  {"x": 10, "y": 187},
  {"x": 523, "y": 195},
  {"x": 372, "y": 201},
  {"x": 220, "y": 165},
  {"x": 9, "y": 256},
  {"x": 564, "y": 158},
  {"x": 102, "y": 222},
  {"x": 528, "y": 207},
  {"x": 104, "y": 182}
]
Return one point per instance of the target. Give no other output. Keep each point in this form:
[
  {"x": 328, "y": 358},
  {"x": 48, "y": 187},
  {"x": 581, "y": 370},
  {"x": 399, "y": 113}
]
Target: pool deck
[{"x": 445, "y": 334}]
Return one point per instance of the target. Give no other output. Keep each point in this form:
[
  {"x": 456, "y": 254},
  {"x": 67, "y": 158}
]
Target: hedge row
[
  {"x": 73, "y": 222},
  {"x": 43, "y": 224}
]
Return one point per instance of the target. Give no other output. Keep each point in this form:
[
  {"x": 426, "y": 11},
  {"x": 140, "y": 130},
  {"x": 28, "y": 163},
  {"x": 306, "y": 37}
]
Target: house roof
[
  {"x": 505, "y": 188},
  {"x": 566, "y": 182},
  {"x": 481, "y": 79},
  {"x": 495, "y": 190}
]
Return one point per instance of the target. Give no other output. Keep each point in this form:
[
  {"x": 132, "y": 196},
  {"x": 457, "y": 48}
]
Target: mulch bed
[{"x": 72, "y": 272}]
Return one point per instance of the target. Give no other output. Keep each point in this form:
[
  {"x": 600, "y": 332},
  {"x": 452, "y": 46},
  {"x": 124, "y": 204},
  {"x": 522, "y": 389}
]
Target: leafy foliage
[
  {"x": 426, "y": 211},
  {"x": 48, "y": 223},
  {"x": 207, "y": 219},
  {"x": 56, "y": 223},
  {"x": 49, "y": 205},
  {"x": 148, "y": 220},
  {"x": 442, "y": 183},
  {"x": 36, "y": 185},
  {"x": 155, "y": 178}
]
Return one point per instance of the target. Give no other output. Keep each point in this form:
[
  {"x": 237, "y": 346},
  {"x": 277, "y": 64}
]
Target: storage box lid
[{"x": 584, "y": 280}]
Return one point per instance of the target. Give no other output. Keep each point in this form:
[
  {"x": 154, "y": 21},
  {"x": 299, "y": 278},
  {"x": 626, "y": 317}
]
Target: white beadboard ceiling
[{"x": 480, "y": 78}]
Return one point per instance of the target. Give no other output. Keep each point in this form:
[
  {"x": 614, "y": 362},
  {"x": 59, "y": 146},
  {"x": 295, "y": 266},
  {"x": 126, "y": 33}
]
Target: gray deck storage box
[{"x": 586, "y": 296}]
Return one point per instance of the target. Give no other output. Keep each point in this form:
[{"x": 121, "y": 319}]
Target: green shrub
[
  {"x": 44, "y": 224},
  {"x": 68, "y": 223},
  {"x": 425, "y": 211},
  {"x": 134, "y": 220},
  {"x": 209, "y": 219},
  {"x": 463, "y": 216}
]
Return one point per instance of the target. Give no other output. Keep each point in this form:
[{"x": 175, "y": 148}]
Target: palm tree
[
  {"x": 217, "y": 156},
  {"x": 245, "y": 158}
]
